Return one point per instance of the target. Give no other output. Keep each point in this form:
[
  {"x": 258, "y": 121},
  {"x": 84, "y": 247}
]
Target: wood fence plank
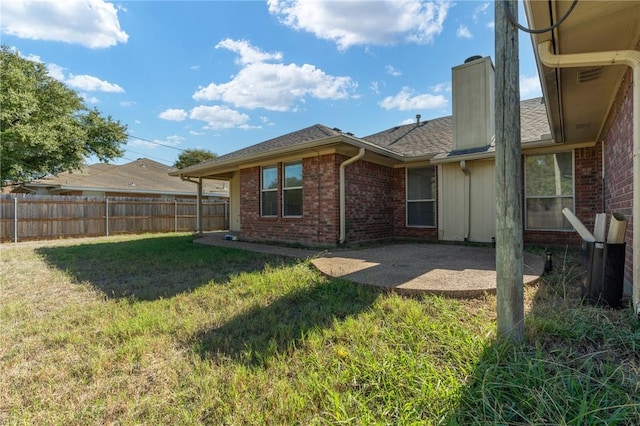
[{"x": 51, "y": 216}]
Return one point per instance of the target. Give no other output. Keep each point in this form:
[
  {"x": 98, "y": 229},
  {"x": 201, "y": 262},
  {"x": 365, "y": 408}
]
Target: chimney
[
  {"x": 418, "y": 119},
  {"x": 473, "y": 91}
]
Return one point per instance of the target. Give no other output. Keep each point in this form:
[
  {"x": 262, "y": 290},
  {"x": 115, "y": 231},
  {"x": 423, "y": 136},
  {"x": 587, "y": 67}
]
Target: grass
[{"x": 159, "y": 330}]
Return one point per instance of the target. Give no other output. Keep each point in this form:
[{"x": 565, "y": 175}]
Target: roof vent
[
  {"x": 418, "y": 118},
  {"x": 589, "y": 74},
  {"x": 472, "y": 58}
]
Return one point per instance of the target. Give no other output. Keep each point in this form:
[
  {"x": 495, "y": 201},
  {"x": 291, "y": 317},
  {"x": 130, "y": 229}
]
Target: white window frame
[
  {"x": 263, "y": 190},
  {"x": 572, "y": 196},
  {"x": 286, "y": 188},
  {"x": 407, "y": 201}
]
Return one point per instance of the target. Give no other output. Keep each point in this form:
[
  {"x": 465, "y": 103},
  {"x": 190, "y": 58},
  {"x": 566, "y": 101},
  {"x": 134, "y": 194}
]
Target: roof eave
[
  {"x": 203, "y": 170},
  {"x": 464, "y": 157}
]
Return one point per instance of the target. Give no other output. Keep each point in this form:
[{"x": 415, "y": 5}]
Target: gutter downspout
[
  {"x": 619, "y": 57},
  {"x": 343, "y": 227},
  {"x": 467, "y": 199}
]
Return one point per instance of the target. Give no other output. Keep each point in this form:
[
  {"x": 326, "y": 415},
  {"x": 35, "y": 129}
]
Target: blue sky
[{"x": 223, "y": 75}]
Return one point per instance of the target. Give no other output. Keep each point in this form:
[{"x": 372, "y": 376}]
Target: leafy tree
[
  {"x": 190, "y": 157},
  {"x": 45, "y": 128}
]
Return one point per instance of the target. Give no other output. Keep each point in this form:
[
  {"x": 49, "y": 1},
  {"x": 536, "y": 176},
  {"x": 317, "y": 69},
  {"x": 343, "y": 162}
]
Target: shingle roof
[
  {"x": 534, "y": 123},
  {"x": 142, "y": 175},
  {"x": 436, "y": 136},
  {"x": 416, "y": 139},
  {"x": 308, "y": 134},
  {"x": 428, "y": 138}
]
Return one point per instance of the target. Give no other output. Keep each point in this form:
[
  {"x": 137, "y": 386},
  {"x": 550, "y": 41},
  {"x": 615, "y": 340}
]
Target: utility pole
[{"x": 509, "y": 252}]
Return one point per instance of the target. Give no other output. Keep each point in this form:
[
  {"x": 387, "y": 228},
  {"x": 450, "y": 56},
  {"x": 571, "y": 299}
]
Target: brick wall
[
  {"x": 319, "y": 222},
  {"x": 369, "y": 204},
  {"x": 618, "y": 154},
  {"x": 400, "y": 228},
  {"x": 369, "y": 201}
]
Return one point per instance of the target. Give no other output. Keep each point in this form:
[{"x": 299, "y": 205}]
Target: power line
[{"x": 155, "y": 143}]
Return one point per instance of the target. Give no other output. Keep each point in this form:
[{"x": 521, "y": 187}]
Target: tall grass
[{"x": 158, "y": 330}]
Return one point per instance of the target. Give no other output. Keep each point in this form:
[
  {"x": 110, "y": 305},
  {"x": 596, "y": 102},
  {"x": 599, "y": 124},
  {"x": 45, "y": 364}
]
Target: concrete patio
[{"x": 445, "y": 269}]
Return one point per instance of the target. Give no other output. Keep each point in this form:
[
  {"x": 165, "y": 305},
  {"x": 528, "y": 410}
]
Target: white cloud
[
  {"x": 173, "y": 115},
  {"x": 351, "y": 23},
  {"x": 219, "y": 117},
  {"x": 463, "y": 32},
  {"x": 248, "y": 54},
  {"x": 91, "y": 23},
  {"x": 92, "y": 84},
  {"x": 406, "y": 100},
  {"x": 56, "y": 71},
  {"x": 480, "y": 11},
  {"x": 267, "y": 121},
  {"x": 491, "y": 25},
  {"x": 441, "y": 87},
  {"x": 530, "y": 86},
  {"x": 85, "y": 82},
  {"x": 89, "y": 99},
  {"x": 33, "y": 58},
  {"x": 174, "y": 140},
  {"x": 375, "y": 87},
  {"x": 275, "y": 87},
  {"x": 391, "y": 70},
  {"x": 194, "y": 133}
]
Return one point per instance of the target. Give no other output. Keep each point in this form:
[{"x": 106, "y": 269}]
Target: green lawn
[{"x": 159, "y": 330}]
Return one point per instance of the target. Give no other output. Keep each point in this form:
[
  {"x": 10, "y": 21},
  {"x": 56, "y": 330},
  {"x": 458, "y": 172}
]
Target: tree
[
  {"x": 190, "y": 157},
  {"x": 45, "y": 128}
]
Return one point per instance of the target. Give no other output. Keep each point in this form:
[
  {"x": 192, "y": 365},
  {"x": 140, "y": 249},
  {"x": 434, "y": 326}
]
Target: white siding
[{"x": 467, "y": 203}]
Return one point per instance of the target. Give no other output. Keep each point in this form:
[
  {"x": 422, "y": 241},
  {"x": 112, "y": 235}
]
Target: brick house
[
  {"x": 431, "y": 180},
  {"x": 141, "y": 178},
  {"x": 434, "y": 179},
  {"x": 589, "y": 67}
]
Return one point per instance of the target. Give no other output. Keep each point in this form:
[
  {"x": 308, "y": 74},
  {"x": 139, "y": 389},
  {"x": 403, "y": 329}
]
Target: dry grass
[{"x": 158, "y": 330}]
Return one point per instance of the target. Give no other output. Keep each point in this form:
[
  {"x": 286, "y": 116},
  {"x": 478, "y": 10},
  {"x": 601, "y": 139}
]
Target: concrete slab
[{"x": 445, "y": 269}]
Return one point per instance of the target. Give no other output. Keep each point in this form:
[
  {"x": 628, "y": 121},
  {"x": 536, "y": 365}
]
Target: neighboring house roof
[
  {"x": 142, "y": 176},
  {"x": 406, "y": 143}
]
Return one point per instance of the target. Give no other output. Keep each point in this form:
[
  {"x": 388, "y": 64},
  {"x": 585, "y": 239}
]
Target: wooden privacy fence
[{"x": 38, "y": 217}]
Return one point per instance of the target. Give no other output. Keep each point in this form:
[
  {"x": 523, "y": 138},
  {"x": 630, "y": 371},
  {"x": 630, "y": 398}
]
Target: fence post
[
  {"x": 175, "y": 223},
  {"x": 15, "y": 219},
  {"x": 106, "y": 206}
]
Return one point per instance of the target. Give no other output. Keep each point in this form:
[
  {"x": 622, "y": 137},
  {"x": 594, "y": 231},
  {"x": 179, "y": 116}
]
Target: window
[
  {"x": 269, "y": 196},
  {"x": 548, "y": 189},
  {"x": 421, "y": 189},
  {"x": 292, "y": 189}
]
